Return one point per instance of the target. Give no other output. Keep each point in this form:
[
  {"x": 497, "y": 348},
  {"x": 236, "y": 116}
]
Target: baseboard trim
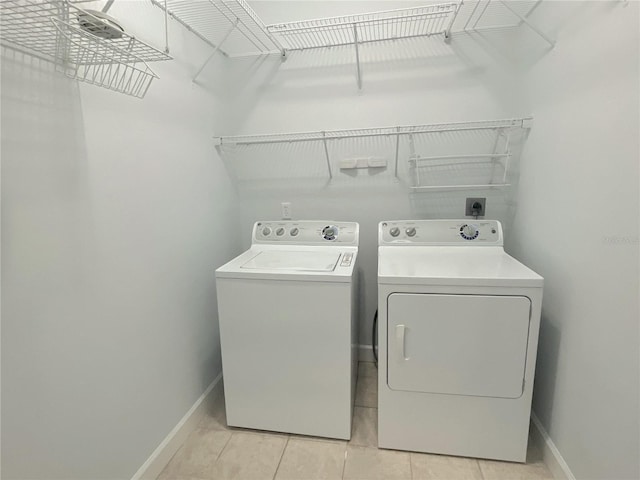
[
  {"x": 550, "y": 453},
  {"x": 365, "y": 353},
  {"x": 176, "y": 437}
]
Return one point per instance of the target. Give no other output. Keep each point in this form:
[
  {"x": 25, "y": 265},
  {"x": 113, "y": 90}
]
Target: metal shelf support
[
  {"x": 358, "y": 73},
  {"x": 526, "y": 21},
  {"x": 523, "y": 19},
  {"x": 208, "y": 18},
  {"x": 395, "y": 170},
  {"x": 326, "y": 153},
  {"x": 217, "y": 49},
  {"x": 447, "y": 32}
]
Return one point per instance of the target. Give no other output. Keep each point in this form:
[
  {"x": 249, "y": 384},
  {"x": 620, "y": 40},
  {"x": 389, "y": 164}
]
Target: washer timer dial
[
  {"x": 469, "y": 232},
  {"x": 330, "y": 232}
]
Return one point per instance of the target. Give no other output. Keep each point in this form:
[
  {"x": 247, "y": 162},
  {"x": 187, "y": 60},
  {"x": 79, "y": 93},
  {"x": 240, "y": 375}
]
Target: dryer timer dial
[{"x": 469, "y": 232}]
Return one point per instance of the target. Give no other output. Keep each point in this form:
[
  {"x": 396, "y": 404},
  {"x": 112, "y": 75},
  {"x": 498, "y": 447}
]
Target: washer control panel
[
  {"x": 440, "y": 232},
  {"x": 306, "y": 232},
  {"x": 347, "y": 259}
]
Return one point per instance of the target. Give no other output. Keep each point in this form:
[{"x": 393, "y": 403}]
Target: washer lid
[
  {"x": 292, "y": 260},
  {"x": 470, "y": 266}
]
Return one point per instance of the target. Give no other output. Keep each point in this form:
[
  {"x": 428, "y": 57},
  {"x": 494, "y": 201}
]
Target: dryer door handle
[{"x": 400, "y": 331}]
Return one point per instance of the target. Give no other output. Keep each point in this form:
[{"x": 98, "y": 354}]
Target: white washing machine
[
  {"x": 458, "y": 333},
  {"x": 288, "y": 329}
]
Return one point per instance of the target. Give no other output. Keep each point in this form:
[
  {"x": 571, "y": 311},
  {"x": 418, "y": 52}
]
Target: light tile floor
[{"x": 216, "y": 451}]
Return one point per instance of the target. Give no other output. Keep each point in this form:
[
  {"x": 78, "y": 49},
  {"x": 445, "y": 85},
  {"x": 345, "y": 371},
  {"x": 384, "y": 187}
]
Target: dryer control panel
[
  {"x": 440, "y": 232},
  {"x": 306, "y": 232}
]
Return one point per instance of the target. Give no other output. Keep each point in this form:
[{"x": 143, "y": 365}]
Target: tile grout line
[
  {"x": 225, "y": 446},
  {"x": 170, "y": 460},
  {"x": 281, "y": 457},
  {"x": 344, "y": 460},
  {"x": 410, "y": 467},
  {"x": 480, "y": 468}
]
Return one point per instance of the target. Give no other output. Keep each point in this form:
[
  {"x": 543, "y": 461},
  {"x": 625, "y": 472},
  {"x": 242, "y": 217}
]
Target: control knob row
[
  {"x": 266, "y": 231},
  {"x": 395, "y": 231}
]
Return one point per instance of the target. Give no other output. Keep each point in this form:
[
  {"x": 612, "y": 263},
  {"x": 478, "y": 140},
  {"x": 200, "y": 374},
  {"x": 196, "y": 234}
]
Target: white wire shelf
[
  {"x": 525, "y": 123},
  {"x": 233, "y": 29},
  {"x": 52, "y": 29},
  {"x": 212, "y": 19},
  {"x": 365, "y": 28},
  {"x": 461, "y": 155},
  {"x": 86, "y": 59},
  {"x": 479, "y": 162},
  {"x": 441, "y": 188}
]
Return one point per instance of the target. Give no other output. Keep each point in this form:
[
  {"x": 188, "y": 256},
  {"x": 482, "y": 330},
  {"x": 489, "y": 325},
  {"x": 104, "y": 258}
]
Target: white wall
[
  {"x": 577, "y": 225},
  {"x": 409, "y": 82},
  {"x": 112, "y": 213}
]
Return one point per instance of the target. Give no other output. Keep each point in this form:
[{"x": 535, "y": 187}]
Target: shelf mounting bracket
[
  {"x": 526, "y": 21},
  {"x": 447, "y": 32},
  {"x": 413, "y": 162},
  {"x": 166, "y": 27},
  {"x": 326, "y": 153},
  {"x": 107, "y": 6},
  {"x": 397, "y": 151},
  {"x": 355, "y": 42},
  {"x": 507, "y": 152},
  {"x": 494, "y": 151},
  {"x": 217, "y": 49}
]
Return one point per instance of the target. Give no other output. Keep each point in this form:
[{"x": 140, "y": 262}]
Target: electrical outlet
[
  {"x": 475, "y": 207},
  {"x": 286, "y": 210}
]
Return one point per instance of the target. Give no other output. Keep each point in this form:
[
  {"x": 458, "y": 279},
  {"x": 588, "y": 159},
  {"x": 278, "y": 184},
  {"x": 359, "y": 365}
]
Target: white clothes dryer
[
  {"x": 288, "y": 329},
  {"x": 458, "y": 334}
]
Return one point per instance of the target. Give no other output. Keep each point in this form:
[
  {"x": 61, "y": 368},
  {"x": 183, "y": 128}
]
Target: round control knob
[
  {"x": 280, "y": 231},
  {"x": 266, "y": 231},
  {"x": 469, "y": 232},
  {"x": 394, "y": 232},
  {"x": 294, "y": 232},
  {"x": 411, "y": 231},
  {"x": 330, "y": 232}
]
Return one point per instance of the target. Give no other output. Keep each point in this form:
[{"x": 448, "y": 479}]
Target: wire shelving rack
[
  {"x": 51, "y": 29},
  {"x": 433, "y": 153},
  {"x": 232, "y": 28},
  {"x": 369, "y": 27}
]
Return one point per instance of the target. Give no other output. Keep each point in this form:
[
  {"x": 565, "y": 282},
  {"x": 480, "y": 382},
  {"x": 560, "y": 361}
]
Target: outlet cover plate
[
  {"x": 469, "y": 207},
  {"x": 286, "y": 210}
]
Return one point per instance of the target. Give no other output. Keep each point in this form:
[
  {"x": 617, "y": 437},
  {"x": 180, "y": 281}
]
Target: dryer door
[{"x": 457, "y": 344}]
